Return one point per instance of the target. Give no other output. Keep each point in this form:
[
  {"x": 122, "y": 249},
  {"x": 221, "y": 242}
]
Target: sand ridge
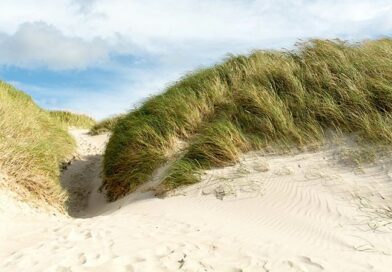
[{"x": 303, "y": 212}]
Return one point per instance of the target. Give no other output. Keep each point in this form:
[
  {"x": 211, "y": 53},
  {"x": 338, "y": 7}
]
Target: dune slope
[
  {"x": 33, "y": 145},
  {"x": 269, "y": 99}
]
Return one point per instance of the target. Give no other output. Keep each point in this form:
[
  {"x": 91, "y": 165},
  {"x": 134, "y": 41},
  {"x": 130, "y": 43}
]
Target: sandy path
[
  {"x": 277, "y": 213},
  {"x": 83, "y": 177}
]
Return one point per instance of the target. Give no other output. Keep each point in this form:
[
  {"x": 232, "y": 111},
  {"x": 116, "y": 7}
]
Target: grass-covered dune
[
  {"x": 33, "y": 144},
  {"x": 269, "y": 98},
  {"x": 73, "y": 120}
]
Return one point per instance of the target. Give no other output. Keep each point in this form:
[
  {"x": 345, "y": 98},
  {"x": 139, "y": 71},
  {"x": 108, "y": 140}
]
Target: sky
[{"x": 104, "y": 57}]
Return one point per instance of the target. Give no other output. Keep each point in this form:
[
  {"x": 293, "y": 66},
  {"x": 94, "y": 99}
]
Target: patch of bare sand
[{"x": 302, "y": 212}]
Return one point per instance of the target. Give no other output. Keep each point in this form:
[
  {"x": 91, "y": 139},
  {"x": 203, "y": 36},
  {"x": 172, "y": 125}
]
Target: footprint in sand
[
  {"x": 77, "y": 235},
  {"x": 82, "y": 258},
  {"x": 300, "y": 264},
  {"x": 261, "y": 167},
  {"x": 284, "y": 171},
  {"x": 311, "y": 264}
]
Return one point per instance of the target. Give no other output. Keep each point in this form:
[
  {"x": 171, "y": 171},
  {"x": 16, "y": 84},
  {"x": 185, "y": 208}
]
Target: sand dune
[{"x": 303, "y": 212}]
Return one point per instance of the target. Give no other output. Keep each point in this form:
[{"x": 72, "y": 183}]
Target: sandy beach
[{"x": 304, "y": 212}]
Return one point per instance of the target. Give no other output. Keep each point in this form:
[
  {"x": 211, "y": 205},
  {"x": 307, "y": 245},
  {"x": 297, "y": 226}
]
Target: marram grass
[
  {"x": 280, "y": 98},
  {"x": 33, "y": 144},
  {"x": 70, "y": 119}
]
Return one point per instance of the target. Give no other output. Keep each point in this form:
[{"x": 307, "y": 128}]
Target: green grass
[
  {"x": 282, "y": 99},
  {"x": 70, "y": 119},
  {"x": 32, "y": 146},
  {"x": 106, "y": 125}
]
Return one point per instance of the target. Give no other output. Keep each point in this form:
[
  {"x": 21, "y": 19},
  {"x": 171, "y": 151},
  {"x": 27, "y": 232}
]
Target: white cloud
[{"x": 39, "y": 44}]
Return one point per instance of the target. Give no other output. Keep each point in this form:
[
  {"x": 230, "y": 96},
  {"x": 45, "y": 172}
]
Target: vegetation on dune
[
  {"x": 33, "y": 144},
  {"x": 70, "y": 119},
  {"x": 106, "y": 125},
  {"x": 280, "y": 98}
]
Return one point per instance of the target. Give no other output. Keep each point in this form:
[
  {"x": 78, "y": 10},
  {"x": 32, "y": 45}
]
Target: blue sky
[{"x": 103, "y": 57}]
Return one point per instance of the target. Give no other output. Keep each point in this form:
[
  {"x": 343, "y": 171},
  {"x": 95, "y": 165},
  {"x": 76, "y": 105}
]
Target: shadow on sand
[{"x": 79, "y": 180}]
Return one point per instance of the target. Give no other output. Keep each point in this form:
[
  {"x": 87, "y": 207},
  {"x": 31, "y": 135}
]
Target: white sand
[{"x": 277, "y": 213}]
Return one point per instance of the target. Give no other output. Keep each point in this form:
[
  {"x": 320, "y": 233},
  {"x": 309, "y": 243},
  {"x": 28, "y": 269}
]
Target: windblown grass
[
  {"x": 32, "y": 146},
  {"x": 269, "y": 98},
  {"x": 106, "y": 125},
  {"x": 70, "y": 119}
]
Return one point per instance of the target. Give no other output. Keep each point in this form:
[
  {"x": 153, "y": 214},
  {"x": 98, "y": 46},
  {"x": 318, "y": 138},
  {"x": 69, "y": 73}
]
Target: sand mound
[{"x": 303, "y": 212}]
